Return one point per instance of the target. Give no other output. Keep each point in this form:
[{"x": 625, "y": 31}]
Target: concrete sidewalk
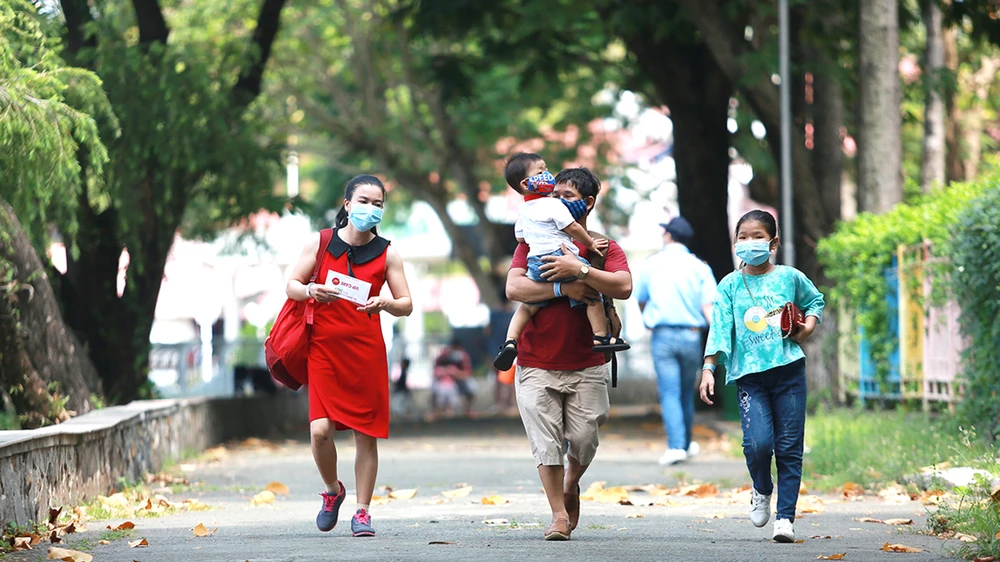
[{"x": 493, "y": 457}]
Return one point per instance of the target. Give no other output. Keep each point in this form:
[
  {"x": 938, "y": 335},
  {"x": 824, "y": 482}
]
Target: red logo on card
[{"x": 336, "y": 281}]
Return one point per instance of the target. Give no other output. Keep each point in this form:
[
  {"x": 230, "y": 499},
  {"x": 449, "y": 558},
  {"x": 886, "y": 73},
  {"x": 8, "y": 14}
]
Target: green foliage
[
  {"x": 398, "y": 89},
  {"x": 856, "y": 256},
  {"x": 875, "y": 449},
  {"x": 976, "y": 512},
  {"x": 975, "y": 256},
  {"x": 186, "y": 152},
  {"x": 40, "y": 132}
]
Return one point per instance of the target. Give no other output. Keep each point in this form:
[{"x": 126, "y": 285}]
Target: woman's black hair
[
  {"x": 363, "y": 179},
  {"x": 763, "y": 217}
]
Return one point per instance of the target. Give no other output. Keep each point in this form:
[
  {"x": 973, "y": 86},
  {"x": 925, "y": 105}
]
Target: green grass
[
  {"x": 974, "y": 512},
  {"x": 877, "y": 448},
  {"x": 112, "y": 536}
]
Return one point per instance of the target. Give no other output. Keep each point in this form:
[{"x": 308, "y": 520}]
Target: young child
[
  {"x": 546, "y": 224},
  {"x": 769, "y": 371}
]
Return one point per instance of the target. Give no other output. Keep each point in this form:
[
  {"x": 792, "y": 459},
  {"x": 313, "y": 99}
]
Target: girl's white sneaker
[
  {"x": 760, "y": 508},
  {"x": 783, "y": 531}
]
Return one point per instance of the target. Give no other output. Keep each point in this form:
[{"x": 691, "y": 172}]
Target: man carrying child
[{"x": 561, "y": 381}]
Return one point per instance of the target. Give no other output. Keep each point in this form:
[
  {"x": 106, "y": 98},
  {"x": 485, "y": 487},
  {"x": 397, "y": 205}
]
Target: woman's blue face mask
[{"x": 365, "y": 216}]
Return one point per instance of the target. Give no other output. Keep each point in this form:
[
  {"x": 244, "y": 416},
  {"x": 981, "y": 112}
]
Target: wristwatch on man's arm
[{"x": 584, "y": 270}]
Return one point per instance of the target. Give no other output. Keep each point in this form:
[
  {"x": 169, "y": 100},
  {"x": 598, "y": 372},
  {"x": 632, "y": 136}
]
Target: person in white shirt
[{"x": 549, "y": 227}]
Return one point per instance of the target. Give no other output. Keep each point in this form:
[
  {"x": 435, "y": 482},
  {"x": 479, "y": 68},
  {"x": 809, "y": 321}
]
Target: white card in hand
[{"x": 348, "y": 288}]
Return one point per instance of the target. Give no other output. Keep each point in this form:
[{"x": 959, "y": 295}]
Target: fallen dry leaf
[
  {"x": 277, "y": 488},
  {"x": 262, "y": 498},
  {"x": 123, "y": 527},
  {"x": 634, "y": 516},
  {"x": 896, "y": 522},
  {"x": 22, "y": 543},
  {"x": 457, "y": 493},
  {"x": 700, "y": 490},
  {"x": 67, "y": 555},
  {"x": 494, "y": 500},
  {"x": 380, "y": 500},
  {"x": 138, "y": 543},
  {"x": 832, "y": 556},
  {"x": 850, "y": 490},
  {"x": 965, "y": 538},
  {"x": 985, "y": 559},
  {"x": 494, "y": 522},
  {"x": 821, "y": 537},
  {"x": 868, "y": 520},
  {"x": 201, "y": 530},
  {"x": 900, "y": 548},
  {"x": 54, "y": 514},
  {"x": 194, "y": 505},
  {"x": 997, "y": 536},
  {"x": 403, "y": 494},
  {"x": 597, "y": 492},
  {"x": 54, "y": 537},
  {"x": 440, "y": 542},
  {"x": 103, "y": 542}
]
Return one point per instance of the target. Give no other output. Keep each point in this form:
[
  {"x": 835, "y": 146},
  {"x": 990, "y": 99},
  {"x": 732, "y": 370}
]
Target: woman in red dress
[{"x": 348, "y": 370}]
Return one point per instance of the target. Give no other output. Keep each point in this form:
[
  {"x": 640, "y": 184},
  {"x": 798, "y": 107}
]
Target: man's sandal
[
  {"x": 609, "y": 343},
  {"x": 505, "y": 359},
  {"x": 558, "y": 531}
]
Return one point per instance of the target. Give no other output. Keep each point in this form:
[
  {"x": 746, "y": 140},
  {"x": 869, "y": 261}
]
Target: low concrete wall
[{"x": 88, "y": 455}]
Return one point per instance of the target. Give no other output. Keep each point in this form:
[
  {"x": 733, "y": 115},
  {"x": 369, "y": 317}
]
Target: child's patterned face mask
[{"x": 542, "y": 184}]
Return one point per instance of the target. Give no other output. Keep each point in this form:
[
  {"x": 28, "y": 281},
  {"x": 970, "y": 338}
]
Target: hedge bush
[
  {"x": 975, "y": 282},
  {"x": 856, "y": 255}
]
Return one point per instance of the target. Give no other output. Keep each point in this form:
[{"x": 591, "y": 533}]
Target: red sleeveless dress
[{"x": 348, "y": 367}]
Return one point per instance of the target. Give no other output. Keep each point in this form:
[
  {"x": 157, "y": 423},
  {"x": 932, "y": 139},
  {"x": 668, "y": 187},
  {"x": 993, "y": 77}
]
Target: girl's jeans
[{"x": 773, "y": 412}]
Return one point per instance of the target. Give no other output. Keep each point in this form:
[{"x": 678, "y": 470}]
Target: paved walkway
[{"x": 492, "y": 457}]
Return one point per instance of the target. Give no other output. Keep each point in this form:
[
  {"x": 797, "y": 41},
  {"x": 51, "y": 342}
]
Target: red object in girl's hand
[{"x": 791, "y": 318}]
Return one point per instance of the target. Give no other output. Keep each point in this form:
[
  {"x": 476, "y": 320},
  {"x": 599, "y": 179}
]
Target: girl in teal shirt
[{"x": 768, "y": 369}]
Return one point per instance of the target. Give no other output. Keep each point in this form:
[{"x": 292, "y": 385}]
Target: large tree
[
  {"x": 880, "y": 149},
  {"x": 428, "y": 111},
  {"x": 185, "y": 105},
  {"x": 43, "y": 368}
]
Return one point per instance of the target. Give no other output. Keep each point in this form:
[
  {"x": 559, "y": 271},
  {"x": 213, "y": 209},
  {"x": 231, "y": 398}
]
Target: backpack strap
[
  {"x": 614, "y": 370},
  {"x": 325, "y": 236}
]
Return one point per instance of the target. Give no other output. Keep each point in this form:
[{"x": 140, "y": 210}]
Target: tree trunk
[
  {"x": 981, "y": 80},
  {"x": 698, "y": 93},
  {"x": 115, "y": 328},
  {"x": 37, "y": 349},
  {"x": 954, "y": 168},
  {"x": 689, "y": 81},
  {"x": 731, "y": 51},
  {"x": 487, "y": 283},
  {"x": 879, "y": 132},
  {"x": 828, "y": 153},
  {"x": 932, "y": 167}
]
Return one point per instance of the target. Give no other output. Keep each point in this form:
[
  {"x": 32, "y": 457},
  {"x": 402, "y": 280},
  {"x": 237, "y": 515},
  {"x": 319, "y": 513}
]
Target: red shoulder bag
[{"x": 286, "y": 348}]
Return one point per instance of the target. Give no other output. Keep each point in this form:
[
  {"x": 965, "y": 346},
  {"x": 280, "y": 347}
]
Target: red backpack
[{"x": 286, "y": 348}]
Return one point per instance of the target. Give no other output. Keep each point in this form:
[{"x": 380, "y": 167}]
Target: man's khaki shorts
[{"x": 558, "y": 405}]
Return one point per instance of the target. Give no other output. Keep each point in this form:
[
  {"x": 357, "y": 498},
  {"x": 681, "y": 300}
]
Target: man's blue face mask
[{"x": 576, "y": 208}]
